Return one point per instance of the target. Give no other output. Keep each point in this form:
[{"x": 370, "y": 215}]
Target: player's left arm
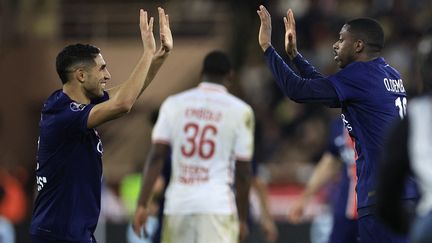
[{"x": 152, "y": 169}]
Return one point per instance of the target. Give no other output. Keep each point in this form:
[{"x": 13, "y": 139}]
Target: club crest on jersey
[{"x": 77, "y": 106}]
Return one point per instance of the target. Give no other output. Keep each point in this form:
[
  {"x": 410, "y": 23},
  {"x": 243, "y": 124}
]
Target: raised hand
[
  {"x": 165, "y": 32},
  {"x": 264, "y": 36},
  {"x": 290, "y": 35},
  {"x": 146, "y": 27}
]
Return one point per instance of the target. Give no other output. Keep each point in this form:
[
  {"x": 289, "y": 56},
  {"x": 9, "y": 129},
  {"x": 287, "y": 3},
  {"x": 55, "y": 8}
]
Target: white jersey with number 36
[{"x": 207, "y": 129}]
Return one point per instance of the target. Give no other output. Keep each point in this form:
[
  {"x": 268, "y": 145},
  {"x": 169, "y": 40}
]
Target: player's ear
[
  {"x": 80, "y": 75},
  {"x": 359, "y": 46}
]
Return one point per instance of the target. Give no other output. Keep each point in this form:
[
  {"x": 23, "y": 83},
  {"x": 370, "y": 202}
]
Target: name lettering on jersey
[
  {"x": 41, "y": 181},
  {"x": 394, "y": 85},
  {"x": 76, "y": 106},
  {"x": 191, "y": 174},
  {"x": 346, "y": 123},
  {"x": 203, "y": 114}
]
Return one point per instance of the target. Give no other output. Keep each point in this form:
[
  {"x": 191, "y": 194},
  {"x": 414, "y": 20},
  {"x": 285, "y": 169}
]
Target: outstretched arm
[
  {"x": 125, "y": 95},
  {"x": 316, "y": 90},
  {"x": 166, "y": 46},
  {"x": 326, "y": 169},
  {"x": 302, "y": 90}
]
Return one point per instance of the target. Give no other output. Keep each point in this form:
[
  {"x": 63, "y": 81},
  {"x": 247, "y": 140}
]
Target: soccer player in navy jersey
[
  {"x": 69, "y": 165},
  {"x": 369, "y": 91}
]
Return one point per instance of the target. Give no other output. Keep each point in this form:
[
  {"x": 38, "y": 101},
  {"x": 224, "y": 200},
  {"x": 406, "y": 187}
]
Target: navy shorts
[
  {"x": 38, "y": 239},
  {"x": 372, "y": 231},
  {"x": 344, "y": 230}
]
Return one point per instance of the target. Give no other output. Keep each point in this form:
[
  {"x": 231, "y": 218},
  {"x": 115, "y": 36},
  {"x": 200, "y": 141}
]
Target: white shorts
[{"x": 200, "y": 228}]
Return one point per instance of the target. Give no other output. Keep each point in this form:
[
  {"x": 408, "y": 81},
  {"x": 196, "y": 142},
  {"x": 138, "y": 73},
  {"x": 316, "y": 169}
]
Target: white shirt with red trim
[{"x": 208, "y": 129}]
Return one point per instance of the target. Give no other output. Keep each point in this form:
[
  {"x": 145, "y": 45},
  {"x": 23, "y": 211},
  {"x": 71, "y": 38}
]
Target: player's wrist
[{"x": 265, "y": 46}]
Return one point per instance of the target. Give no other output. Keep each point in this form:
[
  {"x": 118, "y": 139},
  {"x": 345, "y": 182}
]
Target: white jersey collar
[{"x": 212, "y": 87}]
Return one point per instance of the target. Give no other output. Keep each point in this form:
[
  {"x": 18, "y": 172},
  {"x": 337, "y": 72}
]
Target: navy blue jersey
[
  {"x": 69, "y": 171},
  {"x": 371, "y": 95}
]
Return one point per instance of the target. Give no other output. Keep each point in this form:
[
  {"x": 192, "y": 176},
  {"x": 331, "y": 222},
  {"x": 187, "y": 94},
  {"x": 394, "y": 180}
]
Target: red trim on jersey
[{"x": 351, "y": 208}]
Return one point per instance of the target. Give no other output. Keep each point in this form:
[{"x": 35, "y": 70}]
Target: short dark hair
[
  {"x": 216, "y": 64},
  {"x": 369, "y": 31},
  {"x": 72, "y": 55}
]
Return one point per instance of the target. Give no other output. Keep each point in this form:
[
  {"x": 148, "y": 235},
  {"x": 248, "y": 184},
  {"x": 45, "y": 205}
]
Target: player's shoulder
[
  {"x": 174, "y": 98},
  {"x": 237, "y": 103}
]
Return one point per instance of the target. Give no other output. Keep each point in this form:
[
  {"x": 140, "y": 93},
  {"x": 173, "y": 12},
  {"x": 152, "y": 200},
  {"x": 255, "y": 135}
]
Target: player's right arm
[
  {"x": 327, "y": 168},
  {"x": 125, "y": 95}
]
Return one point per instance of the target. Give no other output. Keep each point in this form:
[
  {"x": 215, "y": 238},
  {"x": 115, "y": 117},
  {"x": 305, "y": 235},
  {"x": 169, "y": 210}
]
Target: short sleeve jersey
[
  {"x": 69, "y": 171},
  {"x": 372, "y": 97},
  {"x": 207, "y": 129}
]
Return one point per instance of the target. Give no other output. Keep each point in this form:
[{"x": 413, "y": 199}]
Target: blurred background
[{"x": 290, "y": 137}]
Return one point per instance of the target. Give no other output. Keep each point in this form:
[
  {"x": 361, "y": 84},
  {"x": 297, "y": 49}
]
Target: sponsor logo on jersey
[{"x": 77, "y": 106}]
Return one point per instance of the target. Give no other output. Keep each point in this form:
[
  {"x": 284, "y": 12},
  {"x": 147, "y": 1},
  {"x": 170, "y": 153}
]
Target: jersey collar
[{"x": 212, "y": 87}]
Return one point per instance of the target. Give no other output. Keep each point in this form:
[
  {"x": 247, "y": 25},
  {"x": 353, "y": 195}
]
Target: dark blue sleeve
[
  {"x": 305, "y": 68},
  {"x": 301, "y": 90}
]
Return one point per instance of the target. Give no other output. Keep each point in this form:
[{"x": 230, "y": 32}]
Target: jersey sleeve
[
  {"x": 306, "y": 69},
  {"x": 75, "y": 118},
  {"x": 348, "y": 88},
  {"x": 162, "y": 129},
  {"x": 299, "y": 89},
  {"x": 244, "y": 144}
]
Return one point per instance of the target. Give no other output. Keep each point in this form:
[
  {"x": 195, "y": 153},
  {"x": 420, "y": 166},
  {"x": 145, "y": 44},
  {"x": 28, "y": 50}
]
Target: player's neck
[
  {"x": 75, "y": 93},
  {"x": 366, "y": 57}
]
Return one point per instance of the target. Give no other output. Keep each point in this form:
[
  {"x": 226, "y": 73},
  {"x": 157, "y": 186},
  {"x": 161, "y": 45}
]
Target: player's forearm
[
  {"x": 262, "y": 196},
  {"x": 288, "y": 81},
  {"x": 306, "y": 69},
  {"x": 242, "y": 183},
  {"x": 129, "y": 91},
  {"x": 323, "y": 173},
  {"x": 151, "y": 172},
  {"x": 302, "y": 90},
  {"x": 156, "y": 64}
]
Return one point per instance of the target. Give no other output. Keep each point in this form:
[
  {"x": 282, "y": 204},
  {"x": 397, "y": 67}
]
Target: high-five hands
[
  {"x": 165, "y": 33},
  {"x": 264, "y": 36},
  {"x": 146, "y": 27},
  {"x": 290, "y": 35}
]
